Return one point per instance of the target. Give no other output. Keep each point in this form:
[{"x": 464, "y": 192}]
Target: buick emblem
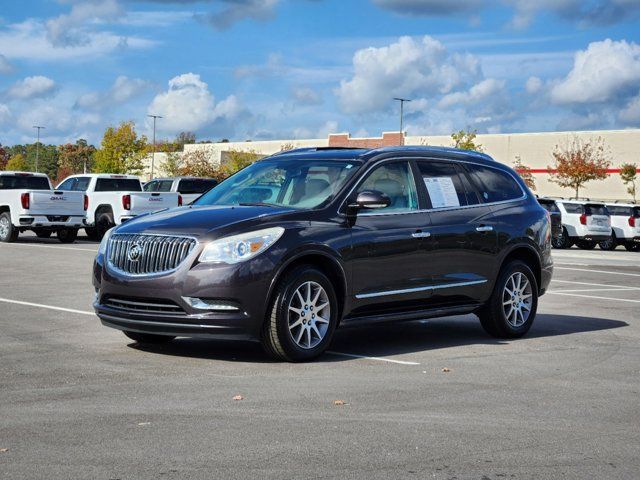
[{"x": 134, "y": 252}]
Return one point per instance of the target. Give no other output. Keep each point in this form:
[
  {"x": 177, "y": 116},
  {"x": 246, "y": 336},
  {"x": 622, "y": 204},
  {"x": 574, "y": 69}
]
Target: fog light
[{"x": 212, "y": 304}]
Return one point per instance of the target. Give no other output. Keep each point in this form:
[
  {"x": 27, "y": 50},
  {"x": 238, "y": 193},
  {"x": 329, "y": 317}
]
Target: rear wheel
[
  {"x": 609, "y": 244},
  {"x": 585, "y": 245},
  {"x": 510, "y": 311},
  {"x": 302, "y": 318},
  {"x": 8, "y": 233},
  {"x": 67, "y": 235},
  {"x": 632, "y": 247},
  {"x": 148, "y": 338},
  {"x": 92, "y": 233},
  {"x": 104, "y": 222},
  {"x": 563, "y": 241},
  {"x": 43, "y": 233}
]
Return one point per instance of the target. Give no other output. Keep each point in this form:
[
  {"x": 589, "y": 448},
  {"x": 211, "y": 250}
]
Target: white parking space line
[
  {"x": 595, "y": 284},
  {"x": 48, "y": 307},
  {"x": 594, "y": 297},
  {"x": 378, "y": 359},
  {"x": 599, "y": 271},
  {"x": 616, "y": 289},
  {"x": 49, "y": 246},
  {"x": 572, "y": 264}
]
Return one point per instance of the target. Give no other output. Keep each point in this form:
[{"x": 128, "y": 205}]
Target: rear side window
[
  {"x": 118, "y": 185},
  {"x": 620, "y": 211},
  {"x": 24, "y": 183},
  {"x": 447, "y": 186},
  {"x": 494, "y": 185},
  {"x": 191, "y": 186},
  {"x": 573, "y": 208}
]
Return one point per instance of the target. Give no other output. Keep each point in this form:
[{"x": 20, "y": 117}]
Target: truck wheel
[
  {"x": 149, "y": 338},
  {"x": 92, "y": 233},
  {"x": 510, "y": 311},
  {"x": 632, "y": 247},
  {"x": 8, "y": 233},
  {"x": 104, "y": 222},
  {"x": 43, "y": 233},
  {"x": 610, "y": 244},
  {"x": 302, "y": 318},
  {"x": 563, "y": 241},
  {"x": 67, "y": 235},
  {"x": 585, "y": 245}
]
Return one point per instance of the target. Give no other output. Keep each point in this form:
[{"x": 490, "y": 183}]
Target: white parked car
[
  {"x": 190, "y": 188},
  {"x": 625, "y": 223},
  {"x": 584, "y": 223},
  {"x": 110, "y": 200},
  {"x": 28, "y": 202}
]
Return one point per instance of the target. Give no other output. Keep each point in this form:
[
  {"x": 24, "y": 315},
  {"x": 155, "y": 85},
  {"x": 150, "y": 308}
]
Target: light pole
[
  {"x": 153, "y": 158},
  {"x": 402, "y": 100},
  {"x": 38, "y": 128}
]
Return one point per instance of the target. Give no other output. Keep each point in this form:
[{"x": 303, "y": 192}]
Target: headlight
[
  {"x": 239, "y": 248},
  {"x": 102, "y": 249}
]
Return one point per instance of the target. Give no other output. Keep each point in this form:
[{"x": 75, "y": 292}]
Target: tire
[
  {"x": 508, "y": 324},
  {"x": 148, "y": 338},
  {"x": 563, "y": 241},
  {"x": 43, "y": 233},
  {"x": 609, "y": 244},
  {"x": 632, "y": 247},
  {"x": 584, "y": 245},
  {"x": 104, "y": 221},
  {"x": 8, "y": 233},
  {"x": 286, "y": 335},
  {"x": 92, "y": 233},
  {"x": 67, "y": 235}
]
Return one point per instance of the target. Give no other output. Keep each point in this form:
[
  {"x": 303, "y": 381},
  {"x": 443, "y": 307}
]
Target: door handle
[
  {"x": 484, "y": 228},
  {"x": 421, "y": 235}
]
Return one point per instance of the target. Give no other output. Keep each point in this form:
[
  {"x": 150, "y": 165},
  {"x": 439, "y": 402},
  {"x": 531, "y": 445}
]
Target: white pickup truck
[
  {"x": 110, "y": 200},
  {"x": 27, "y": 202},
  {"x": 190, "y": 188}
]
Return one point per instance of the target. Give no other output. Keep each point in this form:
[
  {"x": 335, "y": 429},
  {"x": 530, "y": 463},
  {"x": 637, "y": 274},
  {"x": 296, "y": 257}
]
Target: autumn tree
[
  {"x": 466, "y": 140},
  {"x": 4, "y": 157},
  {"x": 17, "y": 163},
  {"x": 285, "y": 147},
  {"x": 76, "y": 158},
  {"x": 172, "y": 165},
  {"x": 579, "y": 162},
  {"x": 183, "y": 138},
  {"x": 196, "y": 163},
  {"x": 121, "y": 150},
  {"x": 525, "y": 173},
  {"x": 236, "y": 160},
  {"x": 629, "y": 175}
]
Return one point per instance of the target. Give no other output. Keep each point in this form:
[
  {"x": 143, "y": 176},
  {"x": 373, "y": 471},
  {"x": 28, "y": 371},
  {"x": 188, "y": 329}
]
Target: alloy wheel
[
  {"x": 4, "y": 227},
  {"x": 309, "y": 313},
  {"x": 517, "y": 299}
]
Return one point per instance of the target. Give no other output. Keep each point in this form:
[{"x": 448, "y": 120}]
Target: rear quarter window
[{"x": 494, "y": 185}]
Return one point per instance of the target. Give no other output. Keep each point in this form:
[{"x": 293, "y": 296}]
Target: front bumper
[{"x": 51, "y": 221}]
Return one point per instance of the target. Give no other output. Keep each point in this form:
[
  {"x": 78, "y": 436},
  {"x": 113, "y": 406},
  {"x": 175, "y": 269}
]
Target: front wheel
[
  {"x": 67, "y": 235},
  {"x": 8, "y": 233},
  {"x": 585, "y": 245},
  {"x": 148, "y": 338},
  {"x": 510, "y": 311},
  {"x": 303, "y": 316}
]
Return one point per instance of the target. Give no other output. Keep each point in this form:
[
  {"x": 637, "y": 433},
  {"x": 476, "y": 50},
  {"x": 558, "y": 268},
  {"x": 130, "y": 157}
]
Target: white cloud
[
  {"x": 189, "y": 106},
  {"x": 480, "y": 92},
  {"x": 56, "y": 118},
  {"x": 605, "y": 71},
  {"x": 5, "y": 67},
  {"x": 405, "y": 68},
  {"x": 5, "y": 114},
  {"x": 70, "y": 29},
  {"x": 306, "y": 96},
  {"x": 630, "y": 115},
  {"x": 122, "y": 90},
  {"x": 533, "y": 85},
  {"x": 32, "y": 87}
]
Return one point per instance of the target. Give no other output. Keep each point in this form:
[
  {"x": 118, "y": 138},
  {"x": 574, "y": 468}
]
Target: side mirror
[{"x": 371, "y": 199}]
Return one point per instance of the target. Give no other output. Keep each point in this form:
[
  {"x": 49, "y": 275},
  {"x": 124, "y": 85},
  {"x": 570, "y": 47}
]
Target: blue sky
[{"x": 264, "y": 69}]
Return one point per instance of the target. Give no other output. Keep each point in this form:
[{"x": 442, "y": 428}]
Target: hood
[{"x": 198, "y": 221}]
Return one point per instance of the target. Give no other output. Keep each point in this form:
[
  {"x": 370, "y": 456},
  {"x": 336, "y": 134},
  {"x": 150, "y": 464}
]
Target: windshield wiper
[{"x": 257, "y": 204}]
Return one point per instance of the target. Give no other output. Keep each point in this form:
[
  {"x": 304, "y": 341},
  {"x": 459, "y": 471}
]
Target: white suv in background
[
  {"x": 625, "y": 223},
  {"x": 584, "y": 223}
]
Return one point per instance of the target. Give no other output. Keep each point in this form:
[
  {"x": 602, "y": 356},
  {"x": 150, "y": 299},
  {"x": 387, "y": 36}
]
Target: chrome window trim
[
  {"x": 427, "y": 210},
  {"x": 113, "y": 269},
  {"x": 418, "y": 289}
]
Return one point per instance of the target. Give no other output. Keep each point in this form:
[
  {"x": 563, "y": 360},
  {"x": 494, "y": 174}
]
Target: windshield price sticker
[{"x": 442, "y": 192}]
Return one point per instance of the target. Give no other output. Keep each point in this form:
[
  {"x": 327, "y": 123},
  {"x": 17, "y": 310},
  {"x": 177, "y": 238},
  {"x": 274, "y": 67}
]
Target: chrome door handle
[
  {"x": 484, "y": 228},
  {"x": 421, "y": 235}
]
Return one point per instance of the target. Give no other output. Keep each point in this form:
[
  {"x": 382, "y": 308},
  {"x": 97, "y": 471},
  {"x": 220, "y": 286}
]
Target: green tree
[
  {"x": 183, "y": 138},
  {"x": 525, "y": 173},
  {"x": 17, "y": 163},
  {"x": 579, "y": 162},
  {"x": 466, "y": 140},
  {"x": 4, "y": 157},
  {"x": 121, "y": 150},
  {"x": 76, "y": 158},
  {"x": 629, "y": 175},
  {"x": 236, "y": 160},
  {"x": 173, "y": 164}
]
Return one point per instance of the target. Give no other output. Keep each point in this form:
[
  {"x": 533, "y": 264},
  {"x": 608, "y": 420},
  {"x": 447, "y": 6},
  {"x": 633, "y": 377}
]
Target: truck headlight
[
  {"x": 102, "y": 249},
  {"x": 239, "y": 248}
]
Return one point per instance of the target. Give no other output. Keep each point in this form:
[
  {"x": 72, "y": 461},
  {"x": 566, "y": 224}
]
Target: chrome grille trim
[
  {"x": 158, "y": 253},
  {"x": 142, "y": 306}
]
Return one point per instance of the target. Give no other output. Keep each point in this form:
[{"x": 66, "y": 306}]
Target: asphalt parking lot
[{"x": 81, "y": 401}]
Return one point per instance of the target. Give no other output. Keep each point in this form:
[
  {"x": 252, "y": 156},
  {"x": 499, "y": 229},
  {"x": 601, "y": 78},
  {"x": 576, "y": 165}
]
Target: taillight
[
  {"x": 179, "y": 200},
  {"x": 583, "y": 219},
  {"x": 24, "y": 199},
  {"x": 86, "y": 203},
  {"x": 126, "y": 202},
  {"x": 632, "y": 221}
]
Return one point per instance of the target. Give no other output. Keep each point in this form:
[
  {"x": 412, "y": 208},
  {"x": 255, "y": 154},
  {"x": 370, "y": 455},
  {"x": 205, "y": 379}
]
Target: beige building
[{"x": 533, "y": 148}]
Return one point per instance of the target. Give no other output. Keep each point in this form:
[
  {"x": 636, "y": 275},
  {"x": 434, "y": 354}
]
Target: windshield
[{"x": 284, "y": 182}]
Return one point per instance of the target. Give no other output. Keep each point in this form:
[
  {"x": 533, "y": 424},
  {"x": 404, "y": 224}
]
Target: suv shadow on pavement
[{"x": 386, "y": 340}]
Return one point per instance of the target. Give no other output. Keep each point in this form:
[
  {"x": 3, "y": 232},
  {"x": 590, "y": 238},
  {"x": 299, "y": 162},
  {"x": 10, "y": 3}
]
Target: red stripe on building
[{"x": 553, "y": 170}]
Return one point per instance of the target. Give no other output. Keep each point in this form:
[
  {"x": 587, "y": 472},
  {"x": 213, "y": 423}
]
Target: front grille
[
  {"x": 145, "y": 254},
  {"x": 142, "y": 305}
]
